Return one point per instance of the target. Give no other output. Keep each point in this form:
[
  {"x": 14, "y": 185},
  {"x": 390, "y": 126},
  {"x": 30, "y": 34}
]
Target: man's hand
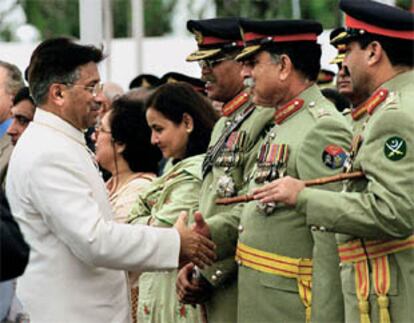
[
  {"x": 191, "y": 290},
  {"x": 200, "y": 226},
  {"x": 194, "y": 247},
  {"x": 283, "y": 190}
]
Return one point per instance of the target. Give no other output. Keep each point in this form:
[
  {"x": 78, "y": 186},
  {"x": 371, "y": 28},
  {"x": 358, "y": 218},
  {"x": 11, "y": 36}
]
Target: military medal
[
  {"x": 271, "y": 165},
  {"x": 230, "y": 157},
  {"x": 226, "y": 186},
  {"x": 271, "y": 162}
]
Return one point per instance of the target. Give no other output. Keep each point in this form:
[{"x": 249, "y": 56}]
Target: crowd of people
[{"x": 253, "y": 194}]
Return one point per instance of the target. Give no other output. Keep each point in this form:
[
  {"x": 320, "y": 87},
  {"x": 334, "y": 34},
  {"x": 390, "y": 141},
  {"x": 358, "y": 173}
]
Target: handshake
[{"x": 195, "y": 245}]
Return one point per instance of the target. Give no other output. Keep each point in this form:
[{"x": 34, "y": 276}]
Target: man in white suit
[{"x": 61, "y": 204}]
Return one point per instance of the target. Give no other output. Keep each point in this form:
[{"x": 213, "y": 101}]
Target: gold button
[
  {"x": 214, "y": 278},
  {"x": 240, "y": 228},
  {"x": 219, "y": 273}
]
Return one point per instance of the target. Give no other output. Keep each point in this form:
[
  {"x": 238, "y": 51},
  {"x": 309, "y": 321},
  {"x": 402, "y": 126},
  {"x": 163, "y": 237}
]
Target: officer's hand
[
  {"x": 191, "y": 290},
  {"x": 283, "y": 190},
  {"x": 200, "y": 226},
  {"x": 194, "y": 247}
]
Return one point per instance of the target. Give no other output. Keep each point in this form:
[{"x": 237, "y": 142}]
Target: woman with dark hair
[
  {"x": 124, "y": 149},
  {"x": 181, "y": 121}
]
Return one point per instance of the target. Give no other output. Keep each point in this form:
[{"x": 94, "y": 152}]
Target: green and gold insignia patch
[{"x": 395, "y": 148}]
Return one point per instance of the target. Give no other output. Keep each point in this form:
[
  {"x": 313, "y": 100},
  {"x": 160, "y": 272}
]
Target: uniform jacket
[
  {"x": 381, "y": 206},
  {"x": 222, "y": 307},
  {"x": 307, "y": 133},
  {"x": 78, "y": 251}
]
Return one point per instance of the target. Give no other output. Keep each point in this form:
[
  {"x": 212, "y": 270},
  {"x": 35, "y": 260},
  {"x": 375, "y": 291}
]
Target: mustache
[{"x": 209, "y": 78}]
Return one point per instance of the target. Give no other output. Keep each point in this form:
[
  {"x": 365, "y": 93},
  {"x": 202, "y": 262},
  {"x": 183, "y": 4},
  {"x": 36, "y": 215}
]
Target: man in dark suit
[{"x": 14, "y": 252}]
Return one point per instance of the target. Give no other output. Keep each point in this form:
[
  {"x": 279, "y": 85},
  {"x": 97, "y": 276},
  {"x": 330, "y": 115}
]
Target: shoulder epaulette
[
  {"x": 358, "y": 112},
  {"x": 288, "y": 109},
  {"x": 374, "y": 101},
  {"x": 235, "y": 103}
]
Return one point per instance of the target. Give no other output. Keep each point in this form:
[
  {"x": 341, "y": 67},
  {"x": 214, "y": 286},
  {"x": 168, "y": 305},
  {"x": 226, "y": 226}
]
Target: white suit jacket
[{"x": 78, "y": 254}]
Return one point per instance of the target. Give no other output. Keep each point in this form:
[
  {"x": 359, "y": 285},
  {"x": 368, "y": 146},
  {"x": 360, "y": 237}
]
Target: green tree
[
  {"x": 61, "y": 17},
  {"x": 53, "y": 17}
]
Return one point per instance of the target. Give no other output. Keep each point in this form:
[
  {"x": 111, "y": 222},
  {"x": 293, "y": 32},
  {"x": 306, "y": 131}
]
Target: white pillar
[
  {"x": 138, "y": 32},
  {"x": 296, "y": 12},
  {"x": 92, "y": 27}
]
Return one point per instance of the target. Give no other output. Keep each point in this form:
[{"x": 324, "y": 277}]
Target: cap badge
[
  {"x": 395, "y": 148},
  {"x": 198, "y": 37}
]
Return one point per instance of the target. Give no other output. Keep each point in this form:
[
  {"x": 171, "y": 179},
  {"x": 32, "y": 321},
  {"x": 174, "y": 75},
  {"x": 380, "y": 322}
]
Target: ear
[
  {"x": 188, "y": 122},
  {"x": 56, "y": 94},
  {"x": 119, "y": 148},
  {"x": 285, "y": 67},
  {"x": 374, "y": 52}
]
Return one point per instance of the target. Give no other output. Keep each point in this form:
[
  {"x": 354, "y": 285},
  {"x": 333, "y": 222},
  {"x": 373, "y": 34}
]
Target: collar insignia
[
  {"x": 288, "y": 109},
  {"x": 235, "y": 103}
]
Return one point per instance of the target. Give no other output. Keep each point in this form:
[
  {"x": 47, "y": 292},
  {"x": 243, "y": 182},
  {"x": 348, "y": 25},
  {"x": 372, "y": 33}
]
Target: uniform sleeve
[
  {"x": 323, "y": 151},
  {"x": 386, "y": 208},
  {"x": 67, "y": 205}
]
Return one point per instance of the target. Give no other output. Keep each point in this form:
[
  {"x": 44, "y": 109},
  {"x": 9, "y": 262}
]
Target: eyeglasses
[
  {"x": 210, "y": 63},
  {"x": 99, "y": 129},
  {"x": 92, "y": 89}
]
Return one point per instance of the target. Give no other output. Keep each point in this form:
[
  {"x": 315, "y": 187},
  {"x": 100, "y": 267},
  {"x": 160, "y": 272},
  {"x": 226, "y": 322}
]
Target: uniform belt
[
  {"x": 272, "y": 263},
  {"x": 354, "y": 251},
  {"x": 359, "y": 252}
]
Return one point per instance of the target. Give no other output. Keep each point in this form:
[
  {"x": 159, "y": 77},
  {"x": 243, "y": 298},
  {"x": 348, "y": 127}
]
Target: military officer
[
  {"x": 230, "y": 154},
  {"x": 357, "y": 114},
  {"x": 374, "y": 215},
  {"x": 275, "y": 246}
]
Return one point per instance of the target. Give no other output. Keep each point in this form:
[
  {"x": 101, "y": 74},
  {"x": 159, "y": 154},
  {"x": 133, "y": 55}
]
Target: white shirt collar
[{"x": 53, "y": 121}]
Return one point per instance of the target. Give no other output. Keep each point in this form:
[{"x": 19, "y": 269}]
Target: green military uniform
[
  {"x": 230, "y": 154},
  {"x": 307, "y": 142},
  {"x": 379, "y": 207},
  {"x": 228, "y": 177},
  {"x": 160, "y": 205},
  {"x": 316, "y": 150},
  {"x": 328, "y": 303}
]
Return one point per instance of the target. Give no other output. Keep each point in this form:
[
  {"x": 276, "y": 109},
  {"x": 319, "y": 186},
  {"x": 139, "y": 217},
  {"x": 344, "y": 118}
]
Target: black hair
[
  {"x": 400, "y": 52},
  {"x": 57, "y": 60},
  {"x": 172, "y": 100},
  {"x": 305, "y": 56},
  {"x": 129, "y": 127},
  {"x": 23, "y": 94}
]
